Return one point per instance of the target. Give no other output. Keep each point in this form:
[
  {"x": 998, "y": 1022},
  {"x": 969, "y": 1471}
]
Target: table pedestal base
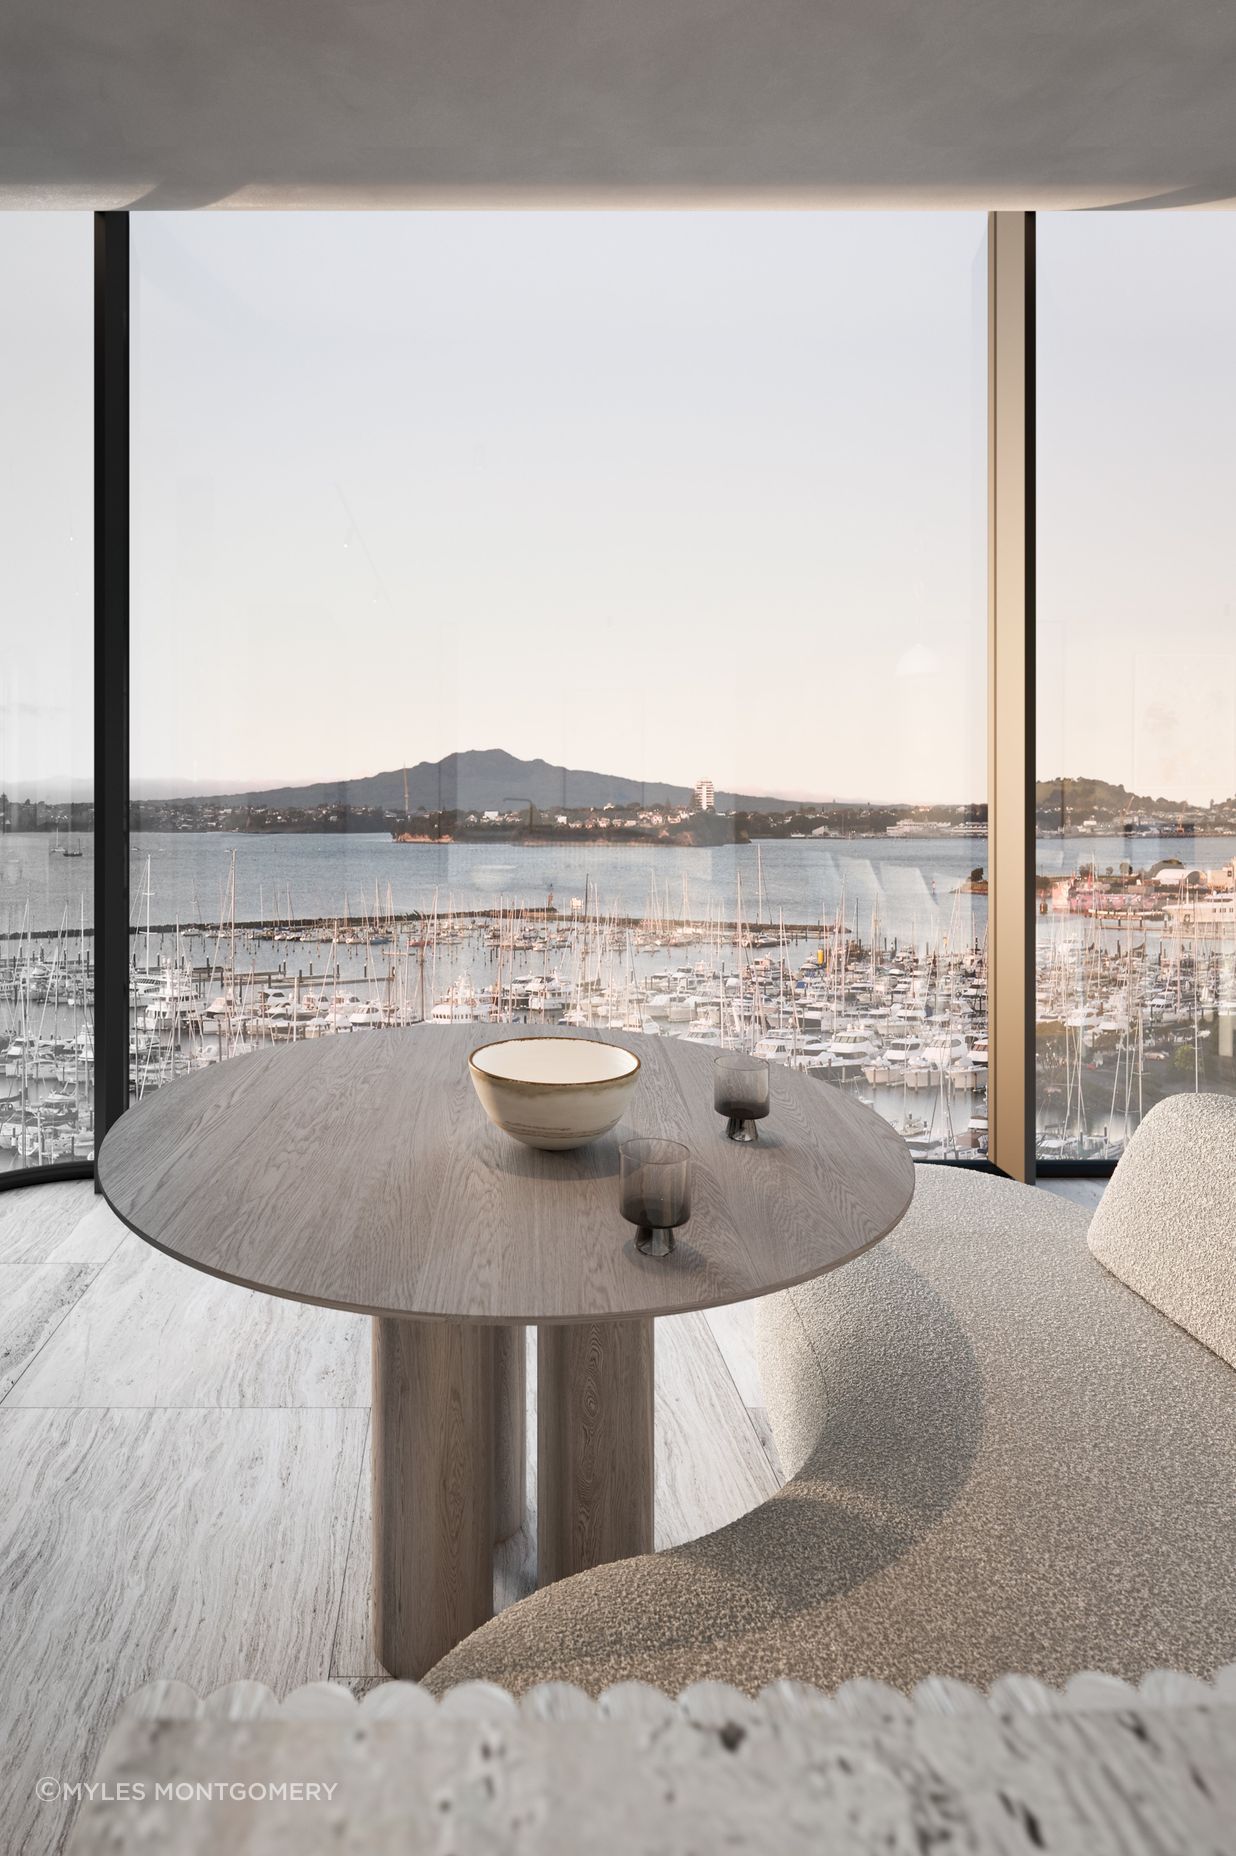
[
  {"x": 433, "y": 1488},
  {"x": 449, "y": 1463},
  {"x": 594, "y": 1445}
]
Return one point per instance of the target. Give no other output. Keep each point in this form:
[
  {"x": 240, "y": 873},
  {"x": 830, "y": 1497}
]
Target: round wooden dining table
[{"x": 359, "y": 1172}]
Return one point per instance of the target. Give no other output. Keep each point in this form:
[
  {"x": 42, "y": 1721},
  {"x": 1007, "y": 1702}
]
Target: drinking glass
[
  {"x": 740, "y": 1093},
  {"x": 656, "y": 1191}
]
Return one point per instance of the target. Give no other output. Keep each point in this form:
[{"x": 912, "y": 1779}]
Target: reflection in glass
[
  {"x": 476, "y": 682},
  {"x": 46, "y": 691},
  {"x": 1136, "y": 589}
]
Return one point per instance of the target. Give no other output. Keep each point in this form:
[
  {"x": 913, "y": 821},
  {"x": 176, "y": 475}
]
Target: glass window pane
[
  {"x": 1136, "y": 995},
  {"x": 574, "y": 616},
  {"x": 46, "y": 689}
]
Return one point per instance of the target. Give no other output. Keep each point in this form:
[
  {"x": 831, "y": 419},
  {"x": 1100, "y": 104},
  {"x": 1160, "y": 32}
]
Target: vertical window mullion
[
  {"x": 111, "y": 675},
  {"x": 1011, "y": 718}
]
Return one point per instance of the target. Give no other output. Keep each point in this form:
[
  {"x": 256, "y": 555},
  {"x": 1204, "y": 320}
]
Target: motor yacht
[
  {"x": 903, "y": 1050},
  {"x": 944, "y": 1050},
  {"x": 854, "y": 1046}
]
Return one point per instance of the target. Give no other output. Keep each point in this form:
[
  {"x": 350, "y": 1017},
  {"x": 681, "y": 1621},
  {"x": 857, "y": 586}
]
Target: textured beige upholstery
[
  {"x": 1166, "y": 1225},
  {"x": 1008, "y": 1463}
]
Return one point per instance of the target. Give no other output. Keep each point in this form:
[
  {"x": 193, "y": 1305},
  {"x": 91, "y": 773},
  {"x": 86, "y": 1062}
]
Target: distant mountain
[{"x": 486, "y": 780}]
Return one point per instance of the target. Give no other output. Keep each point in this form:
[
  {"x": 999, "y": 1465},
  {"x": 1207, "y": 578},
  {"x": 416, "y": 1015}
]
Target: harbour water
[
  {"x": 911, "y": 884},
  {"x": 860, "y": 961}
]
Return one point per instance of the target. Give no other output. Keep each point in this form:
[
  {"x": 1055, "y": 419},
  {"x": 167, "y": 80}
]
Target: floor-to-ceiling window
[
  {"x": 569, "y": 616},
  {"x": 46, "y": 732},
  {"x": 1136, "y": 982}
]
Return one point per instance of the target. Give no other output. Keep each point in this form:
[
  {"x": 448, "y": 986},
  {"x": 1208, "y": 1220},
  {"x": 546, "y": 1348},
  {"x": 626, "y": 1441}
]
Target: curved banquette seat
[{"x": 1000, "y": 1459}]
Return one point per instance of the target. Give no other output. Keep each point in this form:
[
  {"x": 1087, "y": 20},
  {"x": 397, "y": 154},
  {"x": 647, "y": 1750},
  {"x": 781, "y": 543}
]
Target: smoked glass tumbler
[
  {"x": 656, "y": 1191},
  {"x": 740, "y": 1092}
]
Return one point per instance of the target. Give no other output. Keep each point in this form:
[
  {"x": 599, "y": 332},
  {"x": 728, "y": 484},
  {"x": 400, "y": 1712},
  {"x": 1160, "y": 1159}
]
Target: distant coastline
[
  {"x": 750, "y": 834},
  {"x": 489, "y": 796}
]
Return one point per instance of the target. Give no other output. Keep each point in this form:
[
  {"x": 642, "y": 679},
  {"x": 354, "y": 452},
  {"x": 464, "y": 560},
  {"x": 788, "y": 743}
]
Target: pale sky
[
  {"x": 666, "y": 495},
  {"x": 1137, "y": 500},
  {"x": 663, "y": 494},
  {"x": 46, "y": 502}
]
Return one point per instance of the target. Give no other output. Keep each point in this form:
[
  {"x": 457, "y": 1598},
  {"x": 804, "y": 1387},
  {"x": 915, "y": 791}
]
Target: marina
[{"x": 860, "y": 963}]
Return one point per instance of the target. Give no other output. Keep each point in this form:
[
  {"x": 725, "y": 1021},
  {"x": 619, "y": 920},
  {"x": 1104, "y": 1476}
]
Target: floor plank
[
  {"x": 62, "y": 1223},
  {"x": 711, "y": 1466},
  {"x": 733, "y": 1329},
  {"x": 34, "y": 1300},
  {"x": 515, "y": 1559},
  {"x": 1080, "y": 1191},
  {"x": 152, "y": 1332},
  {"x": 184, "y": 1484},
  {"x": 206, "y": 1546},
  {"x": 352, "y": 1656}
]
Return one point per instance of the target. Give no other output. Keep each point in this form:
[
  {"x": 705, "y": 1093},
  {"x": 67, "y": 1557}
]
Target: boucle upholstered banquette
[
  {"x": 1166, "y": 1225},
  {"x": 1001, "y": 1460}
]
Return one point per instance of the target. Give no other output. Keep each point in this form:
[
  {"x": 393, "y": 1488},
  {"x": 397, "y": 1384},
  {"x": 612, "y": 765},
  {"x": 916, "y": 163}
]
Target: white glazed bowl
[{"x": 554, "y": 1092}]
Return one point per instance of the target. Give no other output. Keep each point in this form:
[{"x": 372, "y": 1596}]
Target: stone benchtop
[{"x": 1101, "y": 1768}]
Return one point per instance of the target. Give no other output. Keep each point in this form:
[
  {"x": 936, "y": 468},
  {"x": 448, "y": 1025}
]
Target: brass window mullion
[{"x": 1010, "y": 691}]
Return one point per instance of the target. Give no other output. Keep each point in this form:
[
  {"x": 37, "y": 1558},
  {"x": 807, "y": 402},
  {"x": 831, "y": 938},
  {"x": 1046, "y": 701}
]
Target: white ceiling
[{"x": 182, "y": 103}]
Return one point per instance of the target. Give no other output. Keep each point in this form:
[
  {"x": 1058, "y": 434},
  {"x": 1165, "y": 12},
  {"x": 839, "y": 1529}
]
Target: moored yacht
[
  {"x": 903, "y": 1050},
  {"x": 945, "y": 1049},
  {"x": 854, "y": 1046}
]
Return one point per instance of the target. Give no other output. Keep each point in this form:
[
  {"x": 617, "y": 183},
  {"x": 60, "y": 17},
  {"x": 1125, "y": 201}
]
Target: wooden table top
[{"x": 360, "y": 1172}]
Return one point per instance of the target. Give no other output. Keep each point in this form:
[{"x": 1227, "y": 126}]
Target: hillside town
[
  {"x": 1082, "y": 807},
  {"x": 681, "y": 825}
]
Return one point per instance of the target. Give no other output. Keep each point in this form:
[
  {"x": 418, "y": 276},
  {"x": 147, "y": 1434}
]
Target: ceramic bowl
[{"x": 554, "y": 1092}]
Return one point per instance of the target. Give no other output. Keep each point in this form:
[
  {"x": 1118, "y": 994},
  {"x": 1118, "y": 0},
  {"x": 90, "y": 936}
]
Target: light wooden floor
[{"x": 184, "y": 1486}]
